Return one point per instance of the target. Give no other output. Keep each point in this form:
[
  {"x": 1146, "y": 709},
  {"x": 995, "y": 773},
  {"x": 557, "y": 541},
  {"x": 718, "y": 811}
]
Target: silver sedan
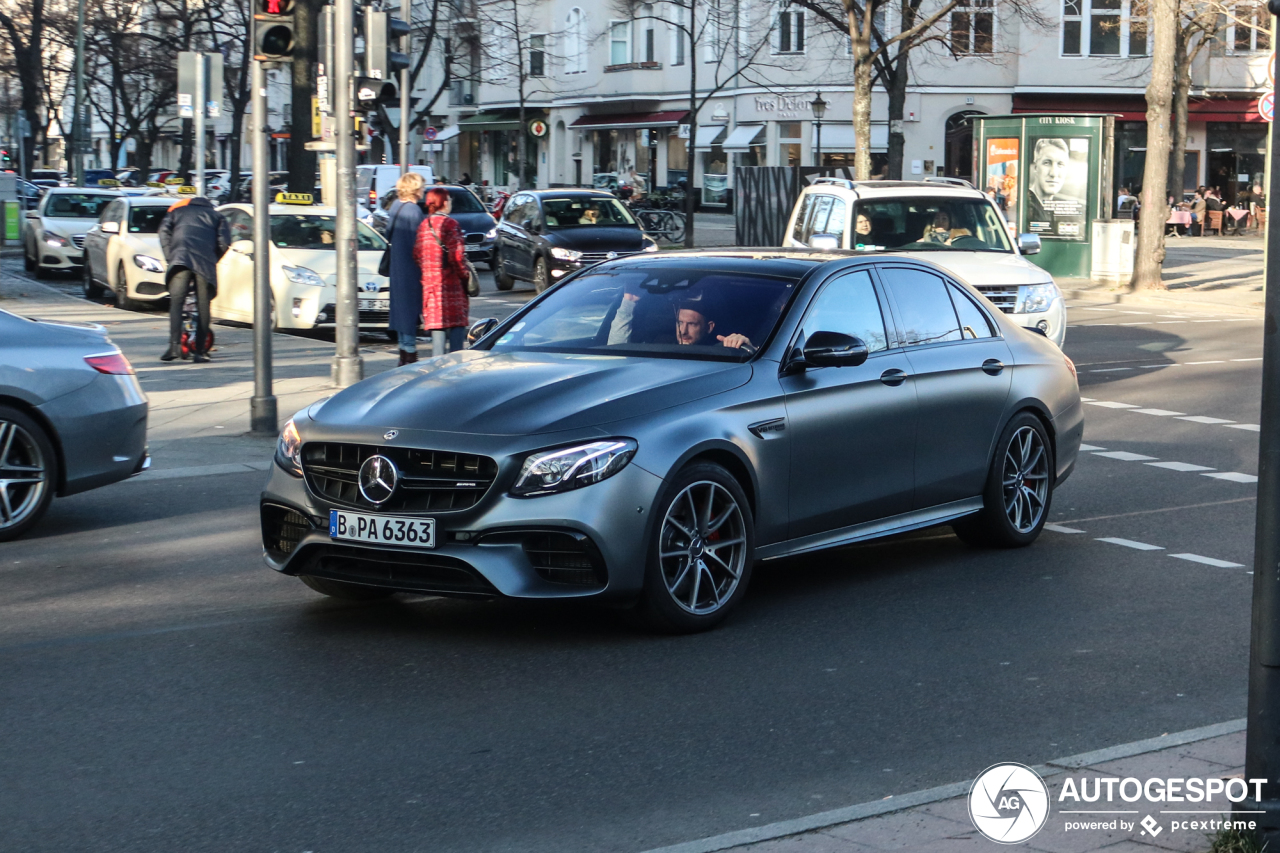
[{"x": 72, "y": 416}]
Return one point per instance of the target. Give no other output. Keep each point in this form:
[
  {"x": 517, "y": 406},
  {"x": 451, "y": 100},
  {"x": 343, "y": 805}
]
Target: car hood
[
  {"x": 597, "y": 238},
  {"x": 145, "y": 244},
  {"x": 68, "y": 227},
  {"x": 324, "y": 263},
  {"x": 525, "y": 393},
  {"x": 980, "y": 268},
  {"x": 470, "y": 223}
]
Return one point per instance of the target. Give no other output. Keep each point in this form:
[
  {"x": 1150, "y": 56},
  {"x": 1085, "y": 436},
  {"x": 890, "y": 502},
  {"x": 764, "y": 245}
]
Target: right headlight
[
  {"x": 566, "y": 468},
  {"x": 302, "y": 275},
  {"x": 148, "y": 263},
  {"x": 56, "y": 240},
  {"x": 562, "y": 254},
  {"x": 289, "y": 449},
  {"x": 1035, "y": 298}
]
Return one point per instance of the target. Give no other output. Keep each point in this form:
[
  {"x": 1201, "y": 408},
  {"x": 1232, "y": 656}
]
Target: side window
[
  {"x": 849, "y": 305},
  {"x": 517, "y": 214},
  {"x": 241, "y": 225},
  {"x": 806, "y": 207},
  {"x": 924, "y": 306},
  {"x": 818, "y": 222},
  {"x": 112, "y": 212},
  {"x": 837, "y": 220},
  {"x": 973, "y": 323}
]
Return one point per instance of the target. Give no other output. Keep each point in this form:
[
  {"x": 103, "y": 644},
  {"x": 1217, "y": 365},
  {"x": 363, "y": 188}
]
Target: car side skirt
[{"x": 871, "y": 529}]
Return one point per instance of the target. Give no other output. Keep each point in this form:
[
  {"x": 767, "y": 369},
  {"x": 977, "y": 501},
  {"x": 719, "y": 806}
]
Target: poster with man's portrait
[{"x": 1057, "y": 187}]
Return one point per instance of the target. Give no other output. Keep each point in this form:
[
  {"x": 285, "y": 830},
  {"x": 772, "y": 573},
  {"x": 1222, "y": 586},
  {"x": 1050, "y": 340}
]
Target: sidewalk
[{"x": 937, "y": 820}]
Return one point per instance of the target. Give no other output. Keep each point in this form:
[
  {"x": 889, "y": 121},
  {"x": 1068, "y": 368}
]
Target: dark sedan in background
[
  {"x": 547, "y": 234},
  {"x": 647, "y": 430},
  {"x": 72, "y": 416},
  {"x": 468, "y": 211}
]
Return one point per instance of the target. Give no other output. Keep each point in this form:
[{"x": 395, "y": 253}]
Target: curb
[
  {"x": 1159, "y": 297},
  {"x": 892, "y": 803}
]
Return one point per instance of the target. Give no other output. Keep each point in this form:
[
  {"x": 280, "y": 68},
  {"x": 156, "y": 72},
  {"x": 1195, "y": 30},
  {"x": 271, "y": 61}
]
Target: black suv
[{"x": 546, "y": 234}]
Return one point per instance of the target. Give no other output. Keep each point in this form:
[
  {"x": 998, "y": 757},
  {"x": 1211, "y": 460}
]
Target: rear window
[{"x": 146, "y": 220}]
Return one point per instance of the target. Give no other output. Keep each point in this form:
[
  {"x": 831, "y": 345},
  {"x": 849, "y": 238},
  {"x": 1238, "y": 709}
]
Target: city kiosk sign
[{"x": 1051, "y": 174}]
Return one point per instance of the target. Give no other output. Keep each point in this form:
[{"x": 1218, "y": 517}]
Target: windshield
[
  {"x": 464, "y": 201},
  {"x": 586, "y": 210},
  {"x": 306, "y": 231},
  {"x": 930, "y": 225},
  {"x": 660, "y": 311},
  {"x": 76, "y": 205},
  {"x": 146, "y": 220}
]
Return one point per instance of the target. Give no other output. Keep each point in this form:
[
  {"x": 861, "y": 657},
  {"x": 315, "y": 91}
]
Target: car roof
[
  {"x": 281, "y": 209},
  {"x": 150, "y": 200},
  {"x": 82, "y": 191},
  {"x": 891, "y": 189},
  {"x": 769, "y": 261},
  {"x": 569, "y": 192}
]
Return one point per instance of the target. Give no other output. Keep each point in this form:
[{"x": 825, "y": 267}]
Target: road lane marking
[
  {"x": 1126, "y": 456},
  {"x": 1218, "y": 361},
  {"x": 1180, "y": 466},
  {"x": 1138, "y": 323},
  {"x": 1247, "y": 359},
  {"x": 1206, "y": 321},
  {"x": 1110, "y": 405},
  {"x": 1086, "y": 399},
  {"x": 1058, "y": 528},
  {"x": 1129, "y": 543},
  {"x": 1170, "y": 322},
  {"x": 1110, "y": 369},
  {"x": 1204, "y": 419},
  {"x": 1208, "y": 561},
  {"x": 1233, "y": 476},
  {"x": 1086, "y": 448},
  {"x": 1250, "y": 427},
  {"x": 1240, "y": 320},
  {"x": 1164, "y": 413}
]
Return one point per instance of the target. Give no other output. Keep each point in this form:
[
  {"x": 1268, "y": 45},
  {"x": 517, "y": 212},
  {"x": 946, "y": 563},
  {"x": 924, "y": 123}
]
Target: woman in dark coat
[
  {"x": 403, "y": 220},
  {"x": 443, "y": 260}
]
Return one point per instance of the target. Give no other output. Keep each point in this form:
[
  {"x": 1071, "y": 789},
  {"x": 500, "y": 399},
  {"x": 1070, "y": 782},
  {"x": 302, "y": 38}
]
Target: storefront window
[
  {"x": 790, "y": 140},
  {"x": 1237, "y": 155},
  {"x": 715, "y": 177},
  {"x": 677, "y": 159}
]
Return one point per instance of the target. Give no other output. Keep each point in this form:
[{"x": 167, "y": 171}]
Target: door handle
[
  {"x": 992, "y": 366},
  {"x": 893, "y": 376}
]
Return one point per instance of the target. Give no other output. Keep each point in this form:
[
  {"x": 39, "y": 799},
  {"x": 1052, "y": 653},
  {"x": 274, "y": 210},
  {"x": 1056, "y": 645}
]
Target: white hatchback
[{"x": 951, "y": 224}]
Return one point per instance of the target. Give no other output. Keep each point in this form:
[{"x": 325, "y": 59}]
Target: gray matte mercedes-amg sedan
[{"x": 648, "y": 429}]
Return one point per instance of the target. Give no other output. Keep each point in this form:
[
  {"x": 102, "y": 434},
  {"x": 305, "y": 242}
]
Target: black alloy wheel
[
  {"x": 500, "y": 278},
  {"x": 92, "y": 290},
  {"x": 123, "y": 302},
  {"x": 28, "y": 472},
  {"x": 541, "y": 275},
  {"x": 28, "y": 262},
  {"x": 1018, "y": 491}
]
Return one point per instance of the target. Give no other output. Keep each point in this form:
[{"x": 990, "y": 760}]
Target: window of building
[
  {"x": 973, "y": 28},
  {"x": 1249, "y": 29},
  {"x": 714, "y": 32},
  {"x": 678, "y": 37},
  {"x": 575, "y": 53},
  {"x": 537, "y": 56},
  {"x": 790, "y": 140},
  {"x": 1104, "y": 27},
  {"x": 648, "y": 44},
  {"x": 788, "y": 31},
  {"x": 619, "y": 42}
]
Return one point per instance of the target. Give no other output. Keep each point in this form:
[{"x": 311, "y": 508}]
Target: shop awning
[
  {"x": 1134, "y": 107},
  {"x": 448, "y": 133},
  {"x": 838, "y": 138},
  {"x": 709, "y": 135},
  {"x": 744, "y": 136},
  {"x": 630, "y": 121},
  {"x": 504, "y": 120}
]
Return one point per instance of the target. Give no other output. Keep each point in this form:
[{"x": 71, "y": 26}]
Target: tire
[
  {"x": 672, "y": 601},
  {"x": 345, "y": 591},
  {"x": 500, "y": 278},
  {"x": 40, "y": 271},
  {"x": 123, "y": 302},
  {"x": 28, "y": 262},
  {"x": 1018, "y": 491},
  {"x": 92, "y": 290},
  {"x": 28, "y": 472},
  {"x": 541, "y": 275},
  {"x": 675, "y": 227}
]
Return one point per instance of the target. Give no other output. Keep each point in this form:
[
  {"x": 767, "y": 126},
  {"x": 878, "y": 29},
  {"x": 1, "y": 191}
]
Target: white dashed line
[
  {"x": 1126, "y": 456},
  {"x": 1208, "y": 561},
  {"x": 1247, "y": 359},
  {"x": 1058, "y": 528},
  {"x": 1164, "y": 413},
  {"x": 1154, "y": 366},
  {"x": 1204, "y": 419},
  {"x": 1233, "y": 476},
  {"x": 1086, "y": 448},
  {"x": 1206, "y": 321},
  {"x": 1139, "y": 313},
  {"x": 1110, "y": 369},
  {"x": 1170, "y": 322},
  {"x": 1179, "y": 466},
  {"x": 1219, "y": 361},
  {"x": 1138, "y": 323},
  {"x": 1240, "y": 320},
  {"x": 1129, "y": 543},
  {"x": 1086, "y": 399},
  {"x": 1249, "y": 427},
  {"x": 1109, "y": 405}
]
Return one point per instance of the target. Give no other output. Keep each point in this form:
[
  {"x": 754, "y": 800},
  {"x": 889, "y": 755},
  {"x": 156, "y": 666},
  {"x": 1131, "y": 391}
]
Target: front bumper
[
  {"x": 1054, "y": 320},
  {"x": 496, "y": 548},
  {"x": 306, "y": 316},
  {"x": 60, "y": 257}
]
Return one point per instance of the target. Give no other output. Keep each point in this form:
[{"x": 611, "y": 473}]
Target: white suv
[{"x": 947, "y": 222}]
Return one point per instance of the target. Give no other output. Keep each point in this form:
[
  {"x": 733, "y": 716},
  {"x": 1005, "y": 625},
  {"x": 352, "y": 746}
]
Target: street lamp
[{"x": 819, "y": 110}]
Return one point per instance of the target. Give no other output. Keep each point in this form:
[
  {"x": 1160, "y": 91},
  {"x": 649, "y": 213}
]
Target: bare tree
[
  {"x": 424, "y": 39},
  {"x": 1150, "y": 248},
  {"x": 1198, "y": 26},
  {"x": 24, "y": 26}
]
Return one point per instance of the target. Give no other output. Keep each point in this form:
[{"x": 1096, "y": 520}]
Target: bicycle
[
  {"x": 190, "y": 319},
  {"x": 660, "y": 224}
]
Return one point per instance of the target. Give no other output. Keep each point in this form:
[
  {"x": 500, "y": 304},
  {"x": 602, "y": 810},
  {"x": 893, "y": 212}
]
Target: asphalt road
[{"x": 161, "y": 690}]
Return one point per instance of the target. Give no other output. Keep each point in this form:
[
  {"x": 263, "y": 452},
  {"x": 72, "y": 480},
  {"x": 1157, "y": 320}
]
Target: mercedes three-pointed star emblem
[{"x": 378, "y": 479}]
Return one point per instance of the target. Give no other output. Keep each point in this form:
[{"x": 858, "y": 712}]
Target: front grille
[
  {"x": 78, "y": 239},
  {"x": 475, "y": 237},
  {"x": 431, "y": 481},
  {"x": 598, "y": 257},
  {"x": 414, "y": 571},
  {"x": 1002, "y": 296},
  {"x": 365, "y": 317},
  {"x": 282, "y": 529},
  {"x": 378, "y": 317},
  {"x": 565, "y": 557}
]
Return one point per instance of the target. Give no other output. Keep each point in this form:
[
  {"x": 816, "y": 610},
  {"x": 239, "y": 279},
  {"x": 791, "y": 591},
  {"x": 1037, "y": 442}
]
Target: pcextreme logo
[{"x": 1009, "y": 803}]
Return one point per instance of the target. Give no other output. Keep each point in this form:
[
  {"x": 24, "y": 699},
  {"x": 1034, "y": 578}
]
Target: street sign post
[
  {"x": 199, "y": 98},
  {"x": 263, "y": 418},
  {"x": 348, "y": 367},
  {"x": 1267, "y": 106}
]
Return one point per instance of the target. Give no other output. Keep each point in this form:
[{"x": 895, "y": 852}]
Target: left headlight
[
  {"x": 56, "y": 240},
  {"x": 149, "y": 263},
  {"x": 492, "y": 233},
  {"x": 566, "y": 468},
  {"x": 650, "y": 245},
  {"x": 563, "y": 254},
  {"x": 289, "y": 449},
  {"x": 302, "y": 275},
  {"x": 1035, "y": 298}
]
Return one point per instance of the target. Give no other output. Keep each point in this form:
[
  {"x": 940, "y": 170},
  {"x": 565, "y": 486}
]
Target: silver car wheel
[
  {"x": 23, "y": 475},
  {"x": 703, "y": 547},
  {"x": 1025, "y": 479}
]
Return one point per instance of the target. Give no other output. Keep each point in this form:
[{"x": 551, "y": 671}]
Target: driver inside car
[{"x": 693, "y": 319}]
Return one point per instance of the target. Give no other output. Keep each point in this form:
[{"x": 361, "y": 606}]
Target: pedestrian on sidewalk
[
  {"x": 193, "y": 237},
  {"x": 403, "y": 221},
  {"x": 443, "y": 260}
]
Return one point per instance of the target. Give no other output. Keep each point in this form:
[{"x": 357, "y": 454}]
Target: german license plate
[
  {"x": 372, "y": 304},
  {"x": 382, "y": 529}
]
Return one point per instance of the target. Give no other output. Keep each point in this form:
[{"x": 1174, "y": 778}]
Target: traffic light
[
  {"x": 382, "y": 34},
  {"x": 273, "y": 33}
]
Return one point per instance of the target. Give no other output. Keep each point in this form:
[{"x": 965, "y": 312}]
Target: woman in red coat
[{"x": 442, "y": 257}]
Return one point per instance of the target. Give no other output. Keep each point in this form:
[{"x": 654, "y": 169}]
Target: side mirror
[
  {"x": 479, "y": 329},
  {"x": 110, "y": 227},
  {"x": 31, "y": 214},
  {"x": 244, "y": 247},
  {"x": 826, "y": 242},
  {"x": 1029, "y": 244},
  {"x": 834, "y": 349}
]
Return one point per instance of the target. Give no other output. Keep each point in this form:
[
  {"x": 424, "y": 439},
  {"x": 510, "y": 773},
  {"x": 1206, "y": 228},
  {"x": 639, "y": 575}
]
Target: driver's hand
[
  {"x": 735, "y": 341},
  {"x": 631, "y": 297}
]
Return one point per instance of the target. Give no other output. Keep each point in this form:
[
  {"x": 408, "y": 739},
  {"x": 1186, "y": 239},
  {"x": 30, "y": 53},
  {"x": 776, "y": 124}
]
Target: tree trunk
[
  {"x": 1150, "y": 249},
  {"x": 302, "y": 163},
  {"x": 689, "y": 200},
  {"x": 234, "y": 145},
  {"x": 897, "y": 107},
  {"x": 1181, "y": 93},
  {"x": 860, "y": 33}
]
